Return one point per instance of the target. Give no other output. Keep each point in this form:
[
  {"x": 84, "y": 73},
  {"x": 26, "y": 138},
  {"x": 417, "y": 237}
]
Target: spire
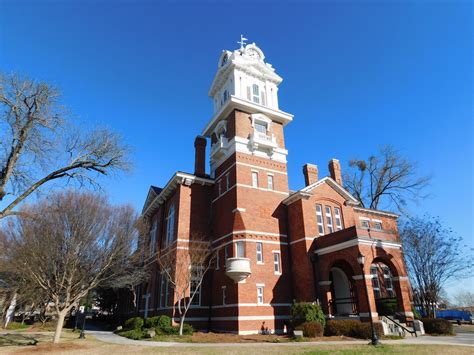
[{"x": 242, "y": 42}]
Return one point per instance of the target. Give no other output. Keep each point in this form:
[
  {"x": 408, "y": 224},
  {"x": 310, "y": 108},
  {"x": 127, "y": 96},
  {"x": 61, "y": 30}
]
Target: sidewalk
[{"x": 460, "y": 340}]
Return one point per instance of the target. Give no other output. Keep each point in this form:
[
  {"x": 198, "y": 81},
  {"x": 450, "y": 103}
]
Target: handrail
[{"x": 403, "y": 327}]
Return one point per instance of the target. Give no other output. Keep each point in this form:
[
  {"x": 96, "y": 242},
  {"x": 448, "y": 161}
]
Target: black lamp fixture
[{"x": 361, "y": 261}]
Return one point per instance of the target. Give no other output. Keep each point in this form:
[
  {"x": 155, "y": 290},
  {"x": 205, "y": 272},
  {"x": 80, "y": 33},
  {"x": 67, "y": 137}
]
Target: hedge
[
  {"x": 437, "y": 326},
  {"x": 302, "y": 312},
  {"x": 311, "y": 329},
  {"x": 133, "y": 323},
  {"x": 352, "y": 328}
]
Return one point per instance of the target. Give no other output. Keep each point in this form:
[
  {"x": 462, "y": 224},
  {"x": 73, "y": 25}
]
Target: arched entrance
[
  {"x": 343, "y": 302},
  {"x": 383, "y": 288}
]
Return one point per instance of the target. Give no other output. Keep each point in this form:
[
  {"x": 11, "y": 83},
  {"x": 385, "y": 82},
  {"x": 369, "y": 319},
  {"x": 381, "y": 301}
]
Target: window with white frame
[
  {"x": 255, "y": 93},
  {"x": 164, "y": 291},
  {"x": 329, "y": 219},
  {"x": 170, "y": 225},
  {"x": 338, "y": 218},
  {"x": 227, "y": 182},
  {"x": 224, "y": 294},
  {"x": 260, "y": 294},
  {"x": 387, "y": 276},
  {"x": 260, "y": 126},
  {"x": 364, "y": 222},
  {"x": 377, "y": 225},
  {"x": 226, "y": 253},
  {"x": 375, "y": 281},
  {"x": 277, "y": 262},
  {"x": 270, "y": 182},
  {"x": 219, "y": 187},
  {"x": 240, "y": 249},
  {"x": 259, "y": 247},
  {"x": 254, "y": 179},
  {"x": 153, "y": 233},
  {"x": 319, "y": 219},
  {"x": 217, "y": 259}
]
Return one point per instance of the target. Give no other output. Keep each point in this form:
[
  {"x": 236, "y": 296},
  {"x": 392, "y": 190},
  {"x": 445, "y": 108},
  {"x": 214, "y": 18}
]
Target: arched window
[
  {"x": 153, "y": 234},
  {"x": 382, "y": 281},
  {"x": 170, "y": 225}
]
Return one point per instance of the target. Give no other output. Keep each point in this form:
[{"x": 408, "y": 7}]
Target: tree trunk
[
  {"x": 181, "y": 324},
  {"x": 59, "y": 326}
]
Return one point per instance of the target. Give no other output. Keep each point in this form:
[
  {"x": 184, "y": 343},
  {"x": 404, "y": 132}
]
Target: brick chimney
[
  {"x": 335, "y": 170},
  {"x": 310, "y": 173},
  {"x": 200, "y": 157}
]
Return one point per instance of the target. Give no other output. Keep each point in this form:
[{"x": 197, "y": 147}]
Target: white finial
[{"x": 242, "y": 41}]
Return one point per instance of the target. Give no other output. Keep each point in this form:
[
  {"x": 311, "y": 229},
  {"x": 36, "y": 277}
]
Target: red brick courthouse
[{"x": 274, "y": 245}]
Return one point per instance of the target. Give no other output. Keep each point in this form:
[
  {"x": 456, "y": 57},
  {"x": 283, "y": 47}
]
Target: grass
[{"x": 17, "y": 326}]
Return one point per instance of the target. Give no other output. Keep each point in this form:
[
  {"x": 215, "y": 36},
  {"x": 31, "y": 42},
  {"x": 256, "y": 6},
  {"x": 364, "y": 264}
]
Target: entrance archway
[{"x": 343, "y": 301}]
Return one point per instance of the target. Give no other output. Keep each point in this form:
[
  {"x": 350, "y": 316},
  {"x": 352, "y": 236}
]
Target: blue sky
[{"x": 357, "y": 75}]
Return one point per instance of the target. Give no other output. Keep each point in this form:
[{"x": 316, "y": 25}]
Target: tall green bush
[
  {"x": 133, "y": 323},
  {"x": 307, "y": 312},
  {"x": 352, "y": 328},
  {"x": 437, "y": 326}
]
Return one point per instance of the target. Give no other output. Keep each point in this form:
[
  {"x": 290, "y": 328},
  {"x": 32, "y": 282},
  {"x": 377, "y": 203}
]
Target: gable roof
[{"x": 306, "y": 192}]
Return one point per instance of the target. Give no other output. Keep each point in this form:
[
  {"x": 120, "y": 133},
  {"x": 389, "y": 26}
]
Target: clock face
[{"x": 252, "y": 53}]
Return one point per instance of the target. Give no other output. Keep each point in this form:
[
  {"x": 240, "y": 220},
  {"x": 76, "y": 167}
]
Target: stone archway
[
  {"x": 341, "y": 288},
  {"x": 383, "y": 287}
]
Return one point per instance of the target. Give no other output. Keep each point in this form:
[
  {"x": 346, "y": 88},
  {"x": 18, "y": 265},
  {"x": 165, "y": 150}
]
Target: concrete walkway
[{"x": 461, "y": 339}]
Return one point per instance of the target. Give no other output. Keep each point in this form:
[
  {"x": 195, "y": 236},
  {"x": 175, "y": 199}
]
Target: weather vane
[{"x": 242, "y": 41}]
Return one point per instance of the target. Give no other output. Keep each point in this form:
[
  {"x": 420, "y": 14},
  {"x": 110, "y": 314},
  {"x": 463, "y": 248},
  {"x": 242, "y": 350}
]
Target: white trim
[
  {"x": 246, "y": 231},
  {"x": 360, "y": 277},
  {"x": 376, "y": 220},
  {"x": 381, "y": 213},
  {"x": 341, "y": 190},
  {"x": 301, "y": 239},
  {"x": 408, "y": 314},
  {"x": 240, "y": 318},
  {"x": 239, "y": 305},
  {"x": 325, "y": 283},
  {"x": 224, "y": 193},
  {"x": 238, "y": 209},
  {"x": 263, "y": 189},
  {"x": 350, "y": 243},
  {"x": 364, "y": 218},
  {"x": 367, "y": 314},
  {"x": 400, "y": 278},
  {"x": 262, "y": 285},
  {"x": 251, "y": 166}
]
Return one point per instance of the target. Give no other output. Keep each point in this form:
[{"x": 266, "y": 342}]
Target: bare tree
[
  {"x": 464, "y": 299},
  {"x": 387, "y": 179},
  {"x": 185, "y": 270},
  {"x": 72, "y": 244},
  {"x": 38, "y": 144},
  {"x": 434, "y": 255}
]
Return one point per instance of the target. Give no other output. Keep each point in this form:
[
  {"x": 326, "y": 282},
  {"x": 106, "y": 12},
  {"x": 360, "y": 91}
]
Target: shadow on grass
[{"x": 18, "y": 340}]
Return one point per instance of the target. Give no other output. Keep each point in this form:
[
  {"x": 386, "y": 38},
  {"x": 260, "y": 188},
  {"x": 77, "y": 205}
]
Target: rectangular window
[
  {"x": 217, "y": 259},
  {"x": 164, "y": 291},
  {"x": 270, "y": 182},
  {"x": 378, "y": 225},
  {"x": 256, "y": 93},
  {"x": 227, "y": 182},
  {"x": 276, "y": 263},
  {"x": 259, "y": 253},
  {"x": 248, "y": 93},
  {"x": 170, "y": 225},
  {"x": 329, "y": 219},
  {"x": 196, "y": 290},
  {"x": 264, "y": 101},
  {"x": 259, "y": 294},
  {"x": 153, "y": 233},
  {"x": 375, "y": 281},
  {"x": 254, "y": 179},
  {"x": 224, "y": 294},
  {"x": 364, "y": 223},
  {"x": 319, "y": 218},
  {"x": 240, "y": 250},
  {"x": 219, "y": 187},
  {"x": 260, "y": 127},
  {"x": 337, "y": 215},
  {"x": 387, "y": 275}
]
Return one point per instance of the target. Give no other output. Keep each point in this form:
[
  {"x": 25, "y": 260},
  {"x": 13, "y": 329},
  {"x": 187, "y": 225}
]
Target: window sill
[{"x": 260, "y": 263}]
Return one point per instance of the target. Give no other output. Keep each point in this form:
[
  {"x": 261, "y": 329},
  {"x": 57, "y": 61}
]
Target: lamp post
[{"x": 361, "y": 261}]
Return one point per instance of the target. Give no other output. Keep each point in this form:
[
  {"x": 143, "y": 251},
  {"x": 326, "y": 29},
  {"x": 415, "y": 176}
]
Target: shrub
[
  {"x": 17, "y": 325},
  {"x": 188, "y": 329},
  {"x": 437, "y": 326},
  {"x": 302, "y": 312},
  {"x": 311, "y": 329},
  {"x": 133, "y": 323},
  {"x": 352, "y": 328},
  {"x": 151, "y": 322},
  {"x": 135, "y": 334},
  {"x": 387, "y": 307}
]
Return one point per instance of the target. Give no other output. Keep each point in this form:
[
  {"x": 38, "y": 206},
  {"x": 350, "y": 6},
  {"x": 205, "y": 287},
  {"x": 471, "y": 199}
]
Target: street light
[{"x": 361, "y": 261}]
